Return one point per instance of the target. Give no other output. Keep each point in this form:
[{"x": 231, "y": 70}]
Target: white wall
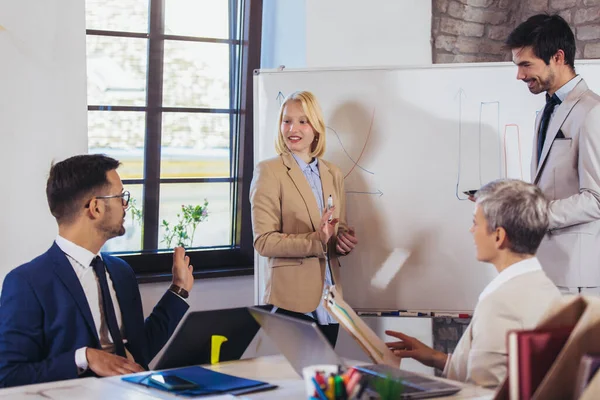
[
  {"x": 283, "y": 34},
  {"x": 356, "y": 33},
  {"x": 207, "y": 294},
  {"x": 345, "y": 33},
  {"x": 42, "y": 115}
]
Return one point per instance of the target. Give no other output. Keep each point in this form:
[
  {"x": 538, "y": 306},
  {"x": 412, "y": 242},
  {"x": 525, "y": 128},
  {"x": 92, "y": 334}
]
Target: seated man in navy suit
[{"x": 72, "y": 311}]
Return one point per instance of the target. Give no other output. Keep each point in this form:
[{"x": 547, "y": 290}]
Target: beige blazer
[
  {"x": 481, "y": 355},
  {"x": 285, "y": 220},
  {"x": 569, "y": 175}
]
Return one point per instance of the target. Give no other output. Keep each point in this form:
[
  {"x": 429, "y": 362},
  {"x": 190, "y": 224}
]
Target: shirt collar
[
  {"x": 76, "y": 252},
  {"x": 314, "y": 164},
  {"x": 522, "y": 267},
  {"x": 567, "y": 87}
]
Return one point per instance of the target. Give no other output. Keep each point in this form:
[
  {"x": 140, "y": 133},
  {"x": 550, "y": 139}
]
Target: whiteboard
[{"x": 409, "y": 140}]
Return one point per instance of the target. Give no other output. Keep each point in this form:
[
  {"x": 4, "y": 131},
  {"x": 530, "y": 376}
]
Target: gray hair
[{"x": 518, "y": 207}]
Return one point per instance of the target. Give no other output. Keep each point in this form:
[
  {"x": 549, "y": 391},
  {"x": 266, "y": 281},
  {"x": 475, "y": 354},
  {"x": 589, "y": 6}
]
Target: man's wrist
[{"x": 81, "y": 360}]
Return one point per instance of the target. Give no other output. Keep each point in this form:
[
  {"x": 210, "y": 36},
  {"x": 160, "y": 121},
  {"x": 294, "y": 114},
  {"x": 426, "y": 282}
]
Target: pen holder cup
[{"x": 309, "y": 372}]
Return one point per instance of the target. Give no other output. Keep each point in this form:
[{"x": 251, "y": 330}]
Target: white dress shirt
[
  {"x": 81, "y": 260},
  {"x": 519, "y": 268},
  {"x": 565, "y": 90}
]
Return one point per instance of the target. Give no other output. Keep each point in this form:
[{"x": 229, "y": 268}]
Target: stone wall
[
  {"x": 474, "y": 30},
  {"x": 446, "y": 334}
]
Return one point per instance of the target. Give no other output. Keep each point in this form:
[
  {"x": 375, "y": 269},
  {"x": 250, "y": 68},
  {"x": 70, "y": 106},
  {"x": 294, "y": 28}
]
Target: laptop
[
  {"x": 303, "y": 345},
  {"x": 191, "y": 342}
]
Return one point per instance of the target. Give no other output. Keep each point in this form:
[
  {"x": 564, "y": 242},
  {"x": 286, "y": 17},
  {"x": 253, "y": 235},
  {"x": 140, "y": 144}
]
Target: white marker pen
[{"x": 330, "y": 206}]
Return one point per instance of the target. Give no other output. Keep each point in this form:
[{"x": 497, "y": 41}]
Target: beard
[
  {"x": 111, "y": 229},
  {"x": 542, "y": 85}
]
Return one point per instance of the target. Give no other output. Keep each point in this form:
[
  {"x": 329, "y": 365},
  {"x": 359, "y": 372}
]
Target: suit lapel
[
  {"x": 304, "y": 188},
  {"x": 536, "y": 135},
  {"x": 64, "y": 270},
  {"x": 560, "y": 115}
]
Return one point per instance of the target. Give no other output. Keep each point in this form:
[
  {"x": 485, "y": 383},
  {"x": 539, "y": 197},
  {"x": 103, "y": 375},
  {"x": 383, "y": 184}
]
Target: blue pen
[
  {"x": 390, "y": 313},
  {"x": 318, "y": 389}
]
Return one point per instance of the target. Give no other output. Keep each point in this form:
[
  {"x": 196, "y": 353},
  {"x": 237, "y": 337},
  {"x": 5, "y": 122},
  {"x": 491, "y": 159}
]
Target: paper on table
[{"x": 390, "y": 268}]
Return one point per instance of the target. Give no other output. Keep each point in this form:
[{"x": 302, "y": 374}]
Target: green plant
[
  {"x": 389, "y": 388},
  {"x": 135, "y": 212},
  {"x": 184, "y": 230}
]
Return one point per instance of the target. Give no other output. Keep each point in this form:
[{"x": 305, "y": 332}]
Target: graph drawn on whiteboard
[
  {"x": 355, "y": 162},
  {"x": 513, "y": 166},
  {"x": 485, "y": 148}
]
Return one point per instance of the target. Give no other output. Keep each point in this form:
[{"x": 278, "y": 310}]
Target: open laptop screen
[{"x": 300, "y": 341}]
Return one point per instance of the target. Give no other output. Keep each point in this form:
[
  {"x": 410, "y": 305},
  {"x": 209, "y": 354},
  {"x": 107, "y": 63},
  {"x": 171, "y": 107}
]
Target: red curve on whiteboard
[{"x": 364, "y": 147}]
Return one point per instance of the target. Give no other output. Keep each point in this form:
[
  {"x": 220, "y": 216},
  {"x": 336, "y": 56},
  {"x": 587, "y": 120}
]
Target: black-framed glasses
[{"x": 125, "y": 196}]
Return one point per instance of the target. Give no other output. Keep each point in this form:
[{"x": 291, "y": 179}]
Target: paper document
[{"x": 375, "y": 348}]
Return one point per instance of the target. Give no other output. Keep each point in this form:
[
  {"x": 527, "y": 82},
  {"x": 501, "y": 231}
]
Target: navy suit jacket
[{"x": 45, "y": 318}]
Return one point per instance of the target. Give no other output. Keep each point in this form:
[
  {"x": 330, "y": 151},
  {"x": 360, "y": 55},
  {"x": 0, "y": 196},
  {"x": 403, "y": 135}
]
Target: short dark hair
[
  {"x": 73, "y": 179},
  {"x": 520, "y": 208},
  {"x": 546, "y": 34}
]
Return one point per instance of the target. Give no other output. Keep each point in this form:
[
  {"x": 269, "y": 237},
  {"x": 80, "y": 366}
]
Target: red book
[{"x": 531, "y": 353}]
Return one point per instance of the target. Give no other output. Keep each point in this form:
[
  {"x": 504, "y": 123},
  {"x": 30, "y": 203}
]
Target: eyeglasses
[{"x": 125, "y": 196}]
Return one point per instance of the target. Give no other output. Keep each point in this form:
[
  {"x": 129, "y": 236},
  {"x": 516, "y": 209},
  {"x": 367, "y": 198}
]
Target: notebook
[
  {"x": 589, "y": 365},
  {"x": 531, "y": 353},
  {"x": 208, "y": 381}
]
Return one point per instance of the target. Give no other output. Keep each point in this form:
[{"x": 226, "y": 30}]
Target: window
[{"x": 170, "y": 96}]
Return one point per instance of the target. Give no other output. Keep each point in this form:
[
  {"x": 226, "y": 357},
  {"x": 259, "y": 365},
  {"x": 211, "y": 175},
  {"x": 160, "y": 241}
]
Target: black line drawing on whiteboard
[
  {"x": 460, "y": 95},
  {"x": 497, "y": 103},
  {"x": 280, "y": 98},
  {"x": 346, "y": 152},
  {"x": 518, "y": 149},
  {"x": 378, "y": 192}
]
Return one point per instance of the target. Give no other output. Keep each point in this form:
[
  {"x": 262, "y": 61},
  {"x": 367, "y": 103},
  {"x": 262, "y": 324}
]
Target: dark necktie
[
  {"x": 107, "y": 305},
  {"x": 551, "y": 103}
]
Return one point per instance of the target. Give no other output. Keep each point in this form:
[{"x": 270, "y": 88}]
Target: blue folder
[{"x": 209, "y": 382}]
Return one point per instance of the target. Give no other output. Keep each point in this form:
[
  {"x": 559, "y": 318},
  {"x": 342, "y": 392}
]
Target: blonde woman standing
[{"x": 293, "y": 226}]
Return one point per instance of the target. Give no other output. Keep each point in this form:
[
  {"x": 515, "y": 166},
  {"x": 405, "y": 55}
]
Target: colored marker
[
  {"x": 450, "y": 315},
  {"x": 318, "y": 390},
  {"x": 369, "y": 313},
  {"x": 406, "y": 313},
  {"x": 398, "y": 313}
]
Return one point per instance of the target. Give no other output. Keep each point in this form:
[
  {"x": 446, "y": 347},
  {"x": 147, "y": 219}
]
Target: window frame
[{"x": 149, "y": 264}]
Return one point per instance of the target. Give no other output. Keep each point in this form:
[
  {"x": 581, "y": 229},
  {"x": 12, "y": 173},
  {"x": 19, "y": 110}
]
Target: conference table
[{"x": 272, "y": 369}]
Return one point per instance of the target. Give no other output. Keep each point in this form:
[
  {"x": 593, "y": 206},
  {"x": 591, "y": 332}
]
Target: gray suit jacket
[
  {"x": 520, "y": 303},
  {"x": 568, "y": 173}
]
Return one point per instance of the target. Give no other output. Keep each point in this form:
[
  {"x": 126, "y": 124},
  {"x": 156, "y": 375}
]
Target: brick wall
[
  {"x": 474, "y": 30},
  {"x": 446, "y": 333}
]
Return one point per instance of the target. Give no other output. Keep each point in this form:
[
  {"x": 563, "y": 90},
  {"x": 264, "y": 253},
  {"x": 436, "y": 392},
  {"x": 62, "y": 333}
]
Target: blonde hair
[{"x": 313, "y": 112}]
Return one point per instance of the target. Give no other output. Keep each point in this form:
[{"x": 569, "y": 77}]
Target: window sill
[{"x": 203, "y": 274}]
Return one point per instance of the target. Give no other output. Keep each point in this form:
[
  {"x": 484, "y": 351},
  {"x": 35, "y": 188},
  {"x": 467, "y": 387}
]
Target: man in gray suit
[
  {"x": 566, "y": 151},
  {"x": 509, "y": 222}
]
